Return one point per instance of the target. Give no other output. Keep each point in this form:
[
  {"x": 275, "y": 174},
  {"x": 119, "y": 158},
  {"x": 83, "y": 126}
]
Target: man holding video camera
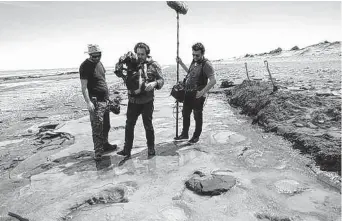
[{"x": 148, "y": 77}]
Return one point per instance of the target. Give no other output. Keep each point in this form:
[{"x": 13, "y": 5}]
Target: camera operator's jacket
[{"x": 153, "y": 73}]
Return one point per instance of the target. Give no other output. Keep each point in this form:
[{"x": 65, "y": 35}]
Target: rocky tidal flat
[{"x": 262, "y": 155}]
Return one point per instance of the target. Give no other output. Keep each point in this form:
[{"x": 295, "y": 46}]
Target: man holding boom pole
[{"x": 196, "y": 86}]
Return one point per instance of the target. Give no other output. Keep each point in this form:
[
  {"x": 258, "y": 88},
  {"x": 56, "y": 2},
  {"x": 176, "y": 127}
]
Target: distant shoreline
[
  {"x": 53, "y": 72},
  {"x": 15, "y": 77}
]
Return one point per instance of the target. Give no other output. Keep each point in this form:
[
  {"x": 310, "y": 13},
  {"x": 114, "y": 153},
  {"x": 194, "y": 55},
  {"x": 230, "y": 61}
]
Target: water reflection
[
  {"x": 105, "y": 162},
  {"x": 187, "y": 156},
  {"x": 140, "y": 163}
]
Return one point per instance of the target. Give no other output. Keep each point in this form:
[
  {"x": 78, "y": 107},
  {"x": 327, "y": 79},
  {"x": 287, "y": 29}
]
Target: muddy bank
[{"x": 311, "y": 122}]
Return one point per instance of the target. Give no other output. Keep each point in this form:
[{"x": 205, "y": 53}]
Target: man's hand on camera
[{"x": 150, "y": 86}]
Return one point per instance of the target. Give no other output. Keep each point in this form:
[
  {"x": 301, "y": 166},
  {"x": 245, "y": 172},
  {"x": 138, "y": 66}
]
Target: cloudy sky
[{"x": 37, "y": 35}]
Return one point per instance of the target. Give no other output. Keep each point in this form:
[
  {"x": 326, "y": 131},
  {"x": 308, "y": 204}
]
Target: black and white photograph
[{"x": 170, "y": 110}]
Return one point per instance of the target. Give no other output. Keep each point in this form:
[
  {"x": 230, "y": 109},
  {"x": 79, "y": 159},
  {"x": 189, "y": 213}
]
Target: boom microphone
[{"x": 178, "y": 6}]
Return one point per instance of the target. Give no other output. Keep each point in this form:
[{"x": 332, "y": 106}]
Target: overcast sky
[{"x": 37, "y": 35}]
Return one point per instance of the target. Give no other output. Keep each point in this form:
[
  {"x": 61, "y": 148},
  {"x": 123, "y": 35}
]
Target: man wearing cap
[
  {"x": 142, "y": 103},
  {"x": 95, "y": 93}
]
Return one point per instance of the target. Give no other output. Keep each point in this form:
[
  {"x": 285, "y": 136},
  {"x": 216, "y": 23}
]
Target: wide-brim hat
[{"x": 93, "y": 48}]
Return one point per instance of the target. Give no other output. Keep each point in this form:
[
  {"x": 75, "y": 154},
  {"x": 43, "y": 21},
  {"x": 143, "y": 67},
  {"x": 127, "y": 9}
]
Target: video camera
[{"x": 133, "y": 78}]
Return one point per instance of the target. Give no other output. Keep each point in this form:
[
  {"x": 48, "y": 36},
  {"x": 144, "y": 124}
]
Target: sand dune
[{"x": 326, "y": 49}]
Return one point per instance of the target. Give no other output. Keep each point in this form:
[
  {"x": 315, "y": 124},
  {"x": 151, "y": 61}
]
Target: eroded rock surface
[
  {"x": 67, "y": 183},
  {"x": 106, "y": 196},
  {"x": 211, "y": 185}
]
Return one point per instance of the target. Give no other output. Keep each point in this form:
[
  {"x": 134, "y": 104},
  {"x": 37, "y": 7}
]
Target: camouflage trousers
[{"x": 100, "y": 125}]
